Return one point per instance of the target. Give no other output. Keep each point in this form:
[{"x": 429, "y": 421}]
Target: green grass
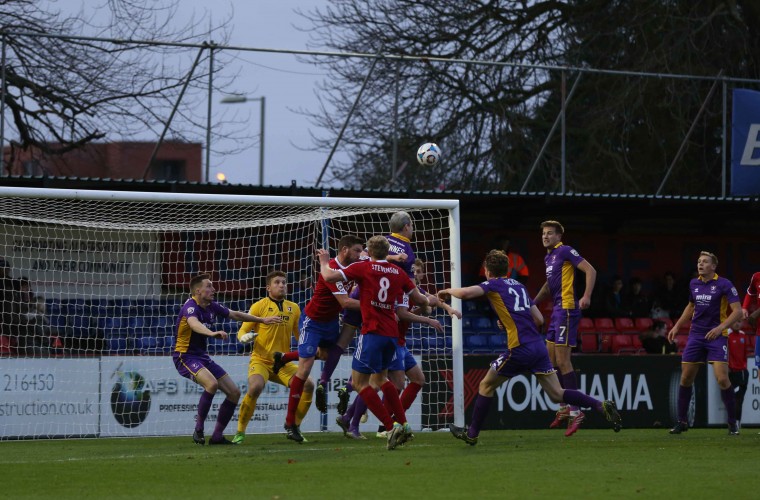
[{"x": 505, "y": 464}]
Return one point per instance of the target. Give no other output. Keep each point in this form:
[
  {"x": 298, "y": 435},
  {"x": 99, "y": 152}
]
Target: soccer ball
[{"x": 428, "y": 154}]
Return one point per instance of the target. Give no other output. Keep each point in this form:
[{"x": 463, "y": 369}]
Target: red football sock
[
  {"x": 390, "y": 393},
  {"x": 287, "y": 357},
  {"x": 374, "y": 404},
  {"x": 296, "y": 388},
  {"x": 409, "y": 395}
]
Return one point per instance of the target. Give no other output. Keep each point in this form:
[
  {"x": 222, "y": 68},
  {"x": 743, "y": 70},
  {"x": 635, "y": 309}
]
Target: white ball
[{"x": 428, "y": 154}]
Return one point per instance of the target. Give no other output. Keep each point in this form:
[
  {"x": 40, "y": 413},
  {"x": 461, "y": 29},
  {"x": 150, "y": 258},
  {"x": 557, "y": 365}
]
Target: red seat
[
  {"x": 636, "y": 341},
  {"x": 685, "y": 327},
  {"x": 586, "y": 325},
  {"x": 625, "y": 325},
  {"x": 7, "y": 346},
  {"x": 621, "y": 341},
  {"x": 681, "y": 341},
  {"x": 642, "y": 324},
  {"x": 668, "y": 322},
  {"x": 604, "y": 325},
  {"x": 589, "y": 342}
]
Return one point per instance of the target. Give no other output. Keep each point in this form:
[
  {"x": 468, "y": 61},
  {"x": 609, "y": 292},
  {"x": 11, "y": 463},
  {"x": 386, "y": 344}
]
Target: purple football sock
[
  {"x": 684, "y": 398},
  {"x": 359, "y": 410},
  {"x": 204, "y": 405},
  {"x": 577, "y": 398},
  {"x": 479, "y": 413},
  {"x": 349, "y": 387},
  {"x": 226, "y": 409},
  {"x": 729, "y": 401},
  {"x": 569, "y": 382},
  {"x": 333, "y": 356}
]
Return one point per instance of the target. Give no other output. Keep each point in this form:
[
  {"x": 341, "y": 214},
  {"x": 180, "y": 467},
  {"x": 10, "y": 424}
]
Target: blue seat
[
  {"x": 466, "y": 323},
  {"x": 497, "y": 341},
  {"x": 414, "y": 343},
  {"x": 470, "y": 307},
  {"x": 434, "y": 343},
  {"x": 482, "y": 324},
  {"x": 472, "y": 342},
  {"x": 117, "y": 345}
]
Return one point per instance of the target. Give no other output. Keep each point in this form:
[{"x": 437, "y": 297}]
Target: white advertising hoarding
[
  {"x": 716, "y": 410},
  {"x": 49, "y": 397}
]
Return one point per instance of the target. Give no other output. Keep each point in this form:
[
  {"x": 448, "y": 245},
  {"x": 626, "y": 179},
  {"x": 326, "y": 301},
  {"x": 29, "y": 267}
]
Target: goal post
[{"x": 93, "y": 281}]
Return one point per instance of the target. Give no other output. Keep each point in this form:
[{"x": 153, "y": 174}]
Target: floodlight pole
[{"x": 237, "y": 99}]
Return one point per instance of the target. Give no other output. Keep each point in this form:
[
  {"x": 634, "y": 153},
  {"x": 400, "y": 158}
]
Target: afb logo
[{"x": 130, "y": 399}]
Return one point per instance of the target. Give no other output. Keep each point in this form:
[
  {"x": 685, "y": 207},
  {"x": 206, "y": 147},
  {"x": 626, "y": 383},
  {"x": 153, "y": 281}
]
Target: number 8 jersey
[{"x": 381, "y": 286}]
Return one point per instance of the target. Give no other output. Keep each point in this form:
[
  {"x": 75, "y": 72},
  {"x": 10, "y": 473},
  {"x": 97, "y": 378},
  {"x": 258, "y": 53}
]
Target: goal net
[{"x": 93, "y": 282}]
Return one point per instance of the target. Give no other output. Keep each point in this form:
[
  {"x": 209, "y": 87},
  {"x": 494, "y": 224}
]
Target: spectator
[
  {"x": 638, "y": 300},
  {"x": 518, "y": 269},
  {"x": 615, "y": 301},
  {"x": 669, "y": 299},
  {"x": 654, "y": 340}
]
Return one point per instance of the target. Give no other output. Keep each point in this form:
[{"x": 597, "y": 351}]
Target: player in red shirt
[
  {"x": 751, "y": 310},
  {"x": 737, "y": 366},
  {"x": 319, "y": 327},
  {"x": 382, "y": 285}
]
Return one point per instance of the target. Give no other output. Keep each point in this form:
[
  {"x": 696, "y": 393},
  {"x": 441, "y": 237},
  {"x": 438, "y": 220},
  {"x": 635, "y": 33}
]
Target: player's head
[
  {"x": 496, "y": 263},
  {"x": 349, "y": 249},
  {"x": 707, "y": 263},
  {"x": 277, "y": 285},
  {"x": 201, "y": 287},
  {"x": 377, "y": 247},
  {"x": 401, "y": 223},
  {"x": 551, "y": 233},
  {"x": 420, "y": 270}
]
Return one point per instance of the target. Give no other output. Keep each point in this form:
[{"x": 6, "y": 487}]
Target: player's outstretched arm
[
  {"x": 470, "y": 292},
  {"x": 404, "y": 314},
  {"x": 241, "y": 316},
  {"x": 435, "y": 302},
  {"x": 198, "y": 327},
  {"x": 330, "y": 275}
]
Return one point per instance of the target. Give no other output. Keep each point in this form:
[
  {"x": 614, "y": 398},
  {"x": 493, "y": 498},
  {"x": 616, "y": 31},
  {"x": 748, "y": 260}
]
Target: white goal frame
[{"x": 449, "y": 205}]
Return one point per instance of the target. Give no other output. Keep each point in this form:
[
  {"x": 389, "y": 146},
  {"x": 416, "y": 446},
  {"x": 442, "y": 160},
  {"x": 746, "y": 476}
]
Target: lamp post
[{"x": 237, "y": 99}]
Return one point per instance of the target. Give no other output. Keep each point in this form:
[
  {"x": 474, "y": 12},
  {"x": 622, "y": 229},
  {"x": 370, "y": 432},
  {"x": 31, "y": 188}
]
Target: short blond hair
[
  {"x": 709, "y": 254},
  {"x": 377, "y": 247}
]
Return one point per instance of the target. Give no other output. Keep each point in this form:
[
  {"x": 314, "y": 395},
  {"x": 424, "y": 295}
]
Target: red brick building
[{"x": 175, "y": 161}]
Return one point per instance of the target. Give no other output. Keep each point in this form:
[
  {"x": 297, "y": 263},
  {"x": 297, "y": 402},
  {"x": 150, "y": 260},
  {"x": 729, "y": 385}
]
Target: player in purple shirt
[
  {"x": 401, "y": 252},
  {"x": 526, "y": 350},
  {"x": 193, "y": 328},
  {"x": 561, "y": 264},
  {"x": 710, "y": 297}
]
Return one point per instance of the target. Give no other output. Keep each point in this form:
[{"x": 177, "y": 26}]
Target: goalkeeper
[{"x": 269, "y": 338}]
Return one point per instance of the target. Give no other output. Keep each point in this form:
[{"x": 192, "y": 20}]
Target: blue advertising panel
[{"x": 745, "y": 143}]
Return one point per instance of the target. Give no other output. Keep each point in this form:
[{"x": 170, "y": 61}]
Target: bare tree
[
  {"x": 74, "y": 79},
  {"x": 491, "y": 111}
]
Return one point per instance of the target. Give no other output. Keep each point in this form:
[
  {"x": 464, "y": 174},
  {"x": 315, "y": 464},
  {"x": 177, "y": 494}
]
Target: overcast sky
[{"x": 281, "y": 79}]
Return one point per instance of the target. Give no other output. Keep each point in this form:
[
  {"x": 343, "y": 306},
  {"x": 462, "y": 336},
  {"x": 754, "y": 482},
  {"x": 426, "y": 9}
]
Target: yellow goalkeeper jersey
[{"x": 276, "y": 337}]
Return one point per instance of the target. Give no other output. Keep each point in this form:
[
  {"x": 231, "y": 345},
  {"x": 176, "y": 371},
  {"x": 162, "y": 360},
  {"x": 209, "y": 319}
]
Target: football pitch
[{"x": 635, "y": 463}]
